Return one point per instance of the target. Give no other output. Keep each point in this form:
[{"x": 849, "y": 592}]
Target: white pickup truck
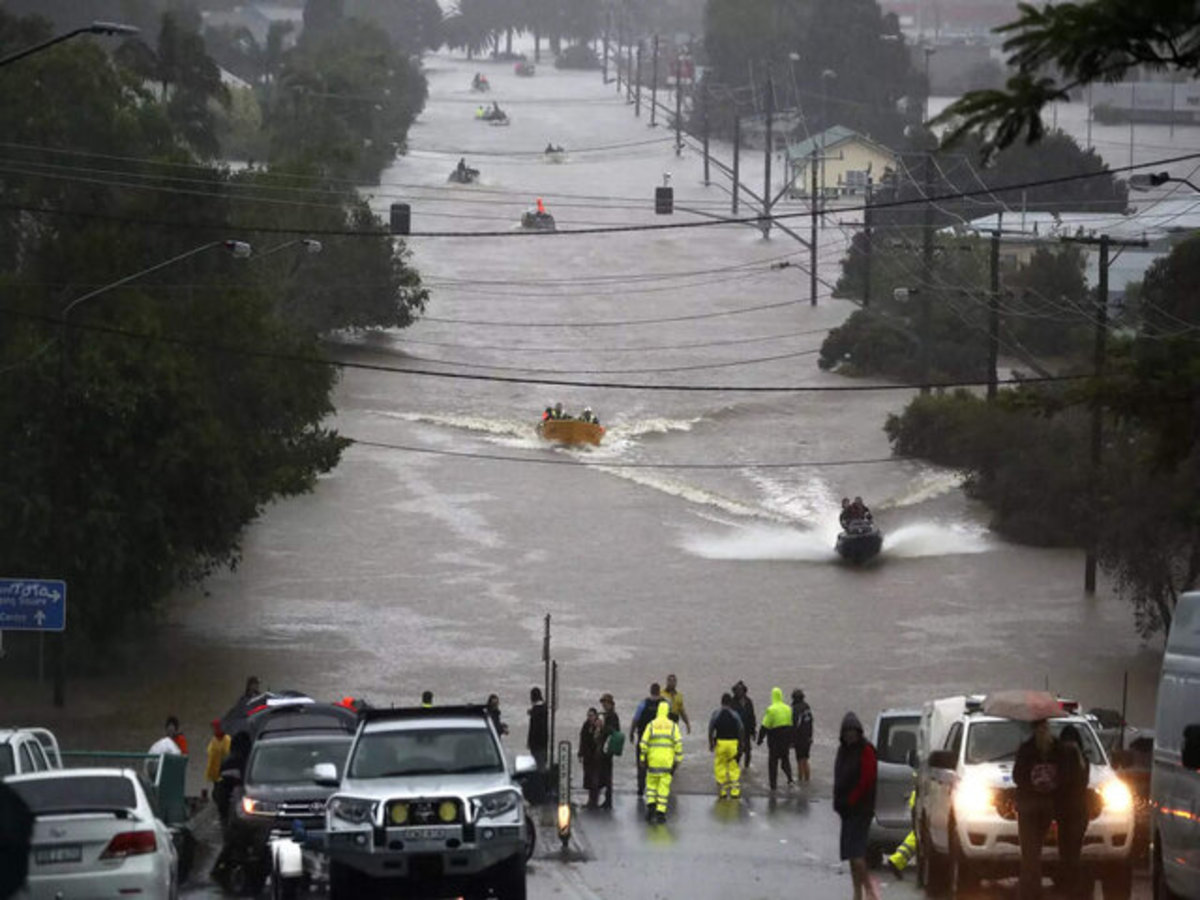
[
  {"x": 25, "y": 750},
  {"x": 966, "y": 802}
]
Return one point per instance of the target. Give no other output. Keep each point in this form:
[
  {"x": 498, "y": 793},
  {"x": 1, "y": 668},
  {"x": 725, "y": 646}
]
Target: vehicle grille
[
  {"x": 423, "y": 811},
  {"x": 302, "y": 809}
]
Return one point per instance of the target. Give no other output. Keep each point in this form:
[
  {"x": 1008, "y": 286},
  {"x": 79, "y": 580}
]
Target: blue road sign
[{"x": 33, "y": 604}]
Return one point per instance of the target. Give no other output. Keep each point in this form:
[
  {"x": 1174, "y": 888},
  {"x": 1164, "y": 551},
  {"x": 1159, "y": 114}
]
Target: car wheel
[
  {"x": 931, "y": 867},
  {"x": 530, "y": 837},
  {"x": 962, "y": 875},
  {"x": 1117, "y": 883}
]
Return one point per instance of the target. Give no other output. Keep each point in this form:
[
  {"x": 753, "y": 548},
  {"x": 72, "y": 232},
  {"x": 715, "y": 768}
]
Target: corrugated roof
[{"x": 831, "y": 137}]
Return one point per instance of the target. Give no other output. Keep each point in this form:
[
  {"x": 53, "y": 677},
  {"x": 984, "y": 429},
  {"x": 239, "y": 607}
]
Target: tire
[
  {"x": 530, "y": 836},
  {"x": 509, "y": 880},
  {"x": 1117, "y": 882},
  {"x": 962, "y": 878},
  {"x": 931, "y": 865}
]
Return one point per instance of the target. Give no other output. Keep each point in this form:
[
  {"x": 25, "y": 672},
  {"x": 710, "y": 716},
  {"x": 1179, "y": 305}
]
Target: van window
[
  {"x": 954, "y": 739},
  {"x": 897, "y": 736}
]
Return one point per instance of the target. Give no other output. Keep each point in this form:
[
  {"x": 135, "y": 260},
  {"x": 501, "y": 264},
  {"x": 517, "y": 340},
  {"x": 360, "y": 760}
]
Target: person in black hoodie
[
  {"x": 539, "y": 728},
  {"x": 744, "y": 707},
  {"x": 1071, "y": 810},
  {"x": 854, "y": 776},
  {"x": 802, "y": 722},
  {"x": 1037, "y": 774}
]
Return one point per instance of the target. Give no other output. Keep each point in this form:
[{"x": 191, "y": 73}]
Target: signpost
[{"x": 33, "y": 604}]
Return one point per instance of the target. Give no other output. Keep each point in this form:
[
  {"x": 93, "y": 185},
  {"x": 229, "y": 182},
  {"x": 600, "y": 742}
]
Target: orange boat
[{"x": 571, "y": 431}]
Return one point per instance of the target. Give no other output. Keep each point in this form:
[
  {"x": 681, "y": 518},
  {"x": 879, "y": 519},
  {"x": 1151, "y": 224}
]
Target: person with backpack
[
  {"x": 643, "y": 716},
  {"x": 613, "y": 745},
  {"x": 777, "y": 731}
]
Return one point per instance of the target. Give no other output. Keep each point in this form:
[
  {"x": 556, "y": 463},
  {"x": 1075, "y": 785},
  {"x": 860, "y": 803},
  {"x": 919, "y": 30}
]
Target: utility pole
[
  {"x": 869, "y": 248},
  {"x": 927, "y": 276},
  {"x": 770, "y": 110},
  {"x": 1099, "y": 361},
  {"x": 812, "y": 239},
  {"x": 654, "y": 86},
  {"x": 994, "y": 318},
  {"x": 629, "y": 74},
  {"x": 604, "y": 58},
  {"x": 704, "y": 107},
  {"x": 637, "y": 109},
  {"x": 617, "y": 61},
  {"x": 737, "y": 157},
  {"x": 678, "y": 109}
]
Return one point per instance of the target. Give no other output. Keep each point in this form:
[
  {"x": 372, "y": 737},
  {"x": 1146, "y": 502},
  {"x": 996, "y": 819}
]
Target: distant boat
[
  {"x": 571, "y": 431},
  {"x": 859, "y": 541}
]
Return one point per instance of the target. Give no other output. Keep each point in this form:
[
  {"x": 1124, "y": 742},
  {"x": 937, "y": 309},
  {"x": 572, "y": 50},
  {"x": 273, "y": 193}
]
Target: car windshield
[
  {"x": 7, "y": 766},
  {"x": 998, "y": 741},
  {"x": 289, "y": 762},
  {"x": 80, "y": 793},
  {"x": 427, "y": 751}
]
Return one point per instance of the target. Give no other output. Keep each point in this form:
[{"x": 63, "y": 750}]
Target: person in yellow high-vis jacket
[
  {"x": 904, "y": 853},
  {"x": 661, "y": 751},
  {"x": 726, "y": 735}
]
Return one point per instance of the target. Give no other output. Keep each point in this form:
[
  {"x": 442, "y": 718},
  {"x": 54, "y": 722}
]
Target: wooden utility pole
[
  {"x": 994, "y": 315},
  {"x": 870, "y": 238},
  {"x": 767, "y": 153},
  {"x": 927, "y": 278},
  {"x": 604, "y": 57},
  {"x": 704, "y": 107},
  {"x": 617, "y": 61},
  {"x": 678, "y": 110},
  {"x": 637, "y": 109},
  {"x": 654, "y": 86},
  {"x": 812, "y": 239},
  {"x": 1099, "y": 361},
  {"x": 737, "y": 158}
]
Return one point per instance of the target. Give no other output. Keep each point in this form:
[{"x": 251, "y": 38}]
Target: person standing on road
[
  {"x": 726, "y": 734},
  {"x": 539, "y": 728},
  {"x": 1038, "y": 779},
  {"x": 613, "y": 741},
  {"x": 674, "y": 696},
  {"x": 591, "y": 749},
  {"x": 1072, "y": 810},
  {"x": 661, "y": 751},
  {"x": 777, "y": 730},
  {"x": 643, "y": 716},
  {"x": 802, "y": 723},
  {"x": 218, "y": 748},
  {"x": 854, "y": 773},
  {"x": 744, "y": 707},
  {"x": 493, "y": 710}
]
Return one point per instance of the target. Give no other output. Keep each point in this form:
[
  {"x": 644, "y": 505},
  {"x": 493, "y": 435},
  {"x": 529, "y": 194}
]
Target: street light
[
  {"x": 112, "y": 29},
  {"x": 1146, "y": 181},
  {"x": 311, "y": 246},
  {"x": 65, "y": 482}
]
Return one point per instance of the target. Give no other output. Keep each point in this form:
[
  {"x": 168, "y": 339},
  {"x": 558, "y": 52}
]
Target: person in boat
[
  {"x": 548, "y": 414},
  {"x": 541, "y": 208},
  {"x": 461, "y": 170},
  {"x": 558, "y": 412},
  {"x": 481, "y": 112},
  {"x": 475, "y": 81},
  {"x": 588, "y": 416},
  {"x": 496, "y": 112},
  {"x": 859, "y": 511},
  {"x": 550, "y": 148},
  {"x": 844, "y": 518}
]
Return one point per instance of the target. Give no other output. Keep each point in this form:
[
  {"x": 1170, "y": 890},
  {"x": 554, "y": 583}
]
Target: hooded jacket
[
  {"x": 854, "y": 772},
  {"x": 661, "y": 747},
  {"x": 777, "y": 720}
]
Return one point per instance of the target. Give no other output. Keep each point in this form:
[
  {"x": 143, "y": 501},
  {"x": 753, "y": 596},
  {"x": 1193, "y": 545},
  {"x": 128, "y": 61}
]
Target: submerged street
[{"x": 696, "y": 539}]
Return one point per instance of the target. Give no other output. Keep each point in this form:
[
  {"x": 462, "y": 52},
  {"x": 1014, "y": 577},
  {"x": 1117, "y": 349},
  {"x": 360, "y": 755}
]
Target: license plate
[
  {"x": 426, "y": 834},
  {"x": 65, "y": 853}
]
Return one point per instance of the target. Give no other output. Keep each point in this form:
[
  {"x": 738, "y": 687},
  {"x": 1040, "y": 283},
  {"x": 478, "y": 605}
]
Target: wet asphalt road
[{"x": 759, "y": 849}]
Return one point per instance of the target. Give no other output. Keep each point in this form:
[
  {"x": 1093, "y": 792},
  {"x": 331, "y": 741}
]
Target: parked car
[
  {"x": 1175, "y": 774},
  {"x": 895, "y": 740},
  {"x": 24, "y": 750},
  {"x": 427, "y": 802},
  {"x": 96, "y": 833},
  {"x": 966, "y": 806}
]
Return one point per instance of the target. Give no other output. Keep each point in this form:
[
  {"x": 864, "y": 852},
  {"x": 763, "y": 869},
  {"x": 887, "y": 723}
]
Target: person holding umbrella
[{"x": 1038, "y": 779}]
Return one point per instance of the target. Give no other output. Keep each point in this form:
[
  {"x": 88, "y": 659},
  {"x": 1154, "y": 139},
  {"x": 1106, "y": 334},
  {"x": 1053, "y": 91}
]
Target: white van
[{"x": 1175, "y": 778}]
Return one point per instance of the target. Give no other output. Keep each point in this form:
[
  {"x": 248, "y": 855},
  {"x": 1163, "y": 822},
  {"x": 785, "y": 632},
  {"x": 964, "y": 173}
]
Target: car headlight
[
  {"x": 447, "y": 811},
  {"x": 252, "y": 807},
  {"x": 398, "y": 814},
  {"x": 497, "y": 804},
  {"x": 1116, "y": 796},
  {"x": 974, "y": 796},
  {"x": 353, "y": 810}
]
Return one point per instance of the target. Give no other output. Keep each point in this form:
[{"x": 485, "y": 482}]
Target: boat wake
[{"x": 776, "y": 542}]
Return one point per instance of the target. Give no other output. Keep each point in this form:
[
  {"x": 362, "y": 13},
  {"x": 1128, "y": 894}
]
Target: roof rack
[{"x": 379, "y": 714}]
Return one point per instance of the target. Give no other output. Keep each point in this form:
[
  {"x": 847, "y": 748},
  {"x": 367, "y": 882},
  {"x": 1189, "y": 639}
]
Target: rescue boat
[{"x": 571, "y": 431}]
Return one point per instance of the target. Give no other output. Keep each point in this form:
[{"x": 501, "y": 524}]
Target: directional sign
[{"x": 33, "y": 604}]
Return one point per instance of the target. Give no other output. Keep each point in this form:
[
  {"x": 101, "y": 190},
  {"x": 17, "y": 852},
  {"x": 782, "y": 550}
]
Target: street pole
[
  {"x": 604, "y": 58},
  {"x": 737, "y": 157},
  {"x": 770, "y": 110},
  {"x": 994, "y": 319},
  {"x": 704, "y": 102},
  {"x": 927, "y": 276},
  {"x": 654, "y": 86},
  {"x": 812, "y": 240},
  {"x": 678, "y": 110},
  {"x": 1099, "y": 359},
  {"x": 637, "y": 108},
  {"x": 870, "y": 248},
  {"x": 617, "y": 61}
]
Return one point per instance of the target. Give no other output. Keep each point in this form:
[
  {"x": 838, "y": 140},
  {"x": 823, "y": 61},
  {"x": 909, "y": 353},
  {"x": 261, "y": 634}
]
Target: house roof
[{"x": 832, "y": 137}]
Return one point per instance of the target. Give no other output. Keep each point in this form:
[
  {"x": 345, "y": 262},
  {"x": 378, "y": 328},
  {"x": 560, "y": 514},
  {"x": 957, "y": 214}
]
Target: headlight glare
[
  {"x": 353, "y": 810},
  {"x": 1117, "y": 796},
  {"x": 252, "y": 807},
  {"x": 974, "y": 796}
]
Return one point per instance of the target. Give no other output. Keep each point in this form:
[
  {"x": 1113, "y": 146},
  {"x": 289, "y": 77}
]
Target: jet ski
[
  {"x": 555, "y": 154},
  {"x": 481, "y": 86},
  {"x": 859, "y": 541},
  {"x": 463, "y": 176},
  {"x": 524, "y": 69},
  {"x": 538, "y": 220},
  {"x": 494, "y": 116}
]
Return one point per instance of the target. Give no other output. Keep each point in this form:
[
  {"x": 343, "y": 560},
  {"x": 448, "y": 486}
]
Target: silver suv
[{"x": 427, "y": 801}]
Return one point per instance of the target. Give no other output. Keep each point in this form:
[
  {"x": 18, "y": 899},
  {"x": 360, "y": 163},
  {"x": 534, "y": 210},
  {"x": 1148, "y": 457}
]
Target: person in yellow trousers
[
  {"x": 907, "y": 849},
  {"x": 726, "y": 734},
  {"x": 661, "y": 751}
]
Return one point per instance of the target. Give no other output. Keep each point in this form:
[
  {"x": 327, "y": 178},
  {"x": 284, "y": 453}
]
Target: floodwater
[{"x": 696, "y": 540}]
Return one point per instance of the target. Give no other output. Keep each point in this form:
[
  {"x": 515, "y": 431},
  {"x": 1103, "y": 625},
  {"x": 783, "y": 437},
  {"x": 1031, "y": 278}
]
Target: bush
[{"x": 581, "y": 56}]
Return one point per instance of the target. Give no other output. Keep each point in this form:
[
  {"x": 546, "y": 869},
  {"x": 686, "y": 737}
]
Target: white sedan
[{"x": 95, "y": 834}]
